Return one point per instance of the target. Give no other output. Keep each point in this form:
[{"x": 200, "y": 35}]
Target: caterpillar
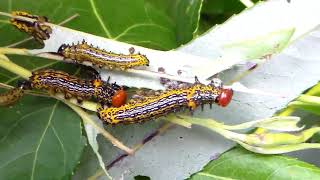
[
  {"x": 83, "y": 52},
  {"x": 11, "y": 96},
  {"x": 71, "y": 86},
  {"x": 37, "y": 29},
  {"x": 169, "y": 101},
  {"x": 61, "y": 82}
]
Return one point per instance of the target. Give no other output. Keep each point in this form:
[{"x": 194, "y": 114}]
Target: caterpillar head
[
  {"x": 119, "y": 97},
  {"x": 143, "y": 60},
  {"x": 62, "y": 48},
  {"x": 225, "y": 95}
]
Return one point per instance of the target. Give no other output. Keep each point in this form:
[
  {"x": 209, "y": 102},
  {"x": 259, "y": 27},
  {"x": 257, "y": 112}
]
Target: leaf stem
[
  {"x": 14, "y": 68},
  {"x": 86, "y": 119},
  {"x": 19, "y": 51}
]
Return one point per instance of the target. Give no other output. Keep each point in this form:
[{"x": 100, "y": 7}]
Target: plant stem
[
  {"x": 19, "y": 51},
  {"x": 86, "y": 119},
  {"x": 14, "y": 68}
]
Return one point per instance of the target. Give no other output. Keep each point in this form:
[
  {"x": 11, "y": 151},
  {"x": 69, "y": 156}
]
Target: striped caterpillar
[
  {"x": 71, "y": 86},
  {"x": 82, "y": 52},
  {"x": 169, "y": 101},
  {"x": 36, "y": 29},
  {"x": 11, "y": 96}
]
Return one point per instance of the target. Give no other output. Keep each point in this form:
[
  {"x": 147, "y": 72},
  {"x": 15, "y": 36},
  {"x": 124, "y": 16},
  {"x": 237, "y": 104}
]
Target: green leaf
[
  {"x": 315, "y": 109},
  {"x": 40, "y": 138},
  {"x": 152, "y": 23},
  {"x": 308, "y": 103},
  {"x": 241, "y": 164},
  {"x": 228, "y": 7}
]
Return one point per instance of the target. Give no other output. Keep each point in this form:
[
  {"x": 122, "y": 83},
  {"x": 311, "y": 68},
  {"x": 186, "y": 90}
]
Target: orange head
[{"x": 119, "y": 98}]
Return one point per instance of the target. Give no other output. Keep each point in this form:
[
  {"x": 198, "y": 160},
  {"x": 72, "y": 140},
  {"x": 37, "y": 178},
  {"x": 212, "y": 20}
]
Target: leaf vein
[
  {"x": 18, "y": 121},
  {"x": 213, "y": 176},
  {"x": 7, "y": 163},
  {"x": 41, "y": 139},
  {"x": 140, "y": 25},
  {"x": 95, "y": 11},
  {"x": 62, "y": 146}
]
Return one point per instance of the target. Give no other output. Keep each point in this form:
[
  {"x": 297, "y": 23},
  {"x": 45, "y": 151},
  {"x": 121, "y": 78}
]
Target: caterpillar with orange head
[
  {"x": 72, "y": 86},
  {"x": 82, "y": 53},
  {"x": 37, "y": 29},
  {"x": 169, "y": 101}
]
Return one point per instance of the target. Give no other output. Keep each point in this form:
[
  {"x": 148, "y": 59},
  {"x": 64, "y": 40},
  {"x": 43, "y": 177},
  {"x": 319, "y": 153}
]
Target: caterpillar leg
[
  {"x": 192, "y": 106},
  {"x": 67, "y": 95},
  {"x": 79, "y": 100}
]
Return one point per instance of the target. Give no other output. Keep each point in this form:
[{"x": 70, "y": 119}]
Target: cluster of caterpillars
[{"x": 112, "y": 97}]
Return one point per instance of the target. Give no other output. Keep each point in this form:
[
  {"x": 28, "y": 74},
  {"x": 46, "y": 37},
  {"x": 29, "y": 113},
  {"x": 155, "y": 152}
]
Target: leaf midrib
[{"x": 41, "y": 139}]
